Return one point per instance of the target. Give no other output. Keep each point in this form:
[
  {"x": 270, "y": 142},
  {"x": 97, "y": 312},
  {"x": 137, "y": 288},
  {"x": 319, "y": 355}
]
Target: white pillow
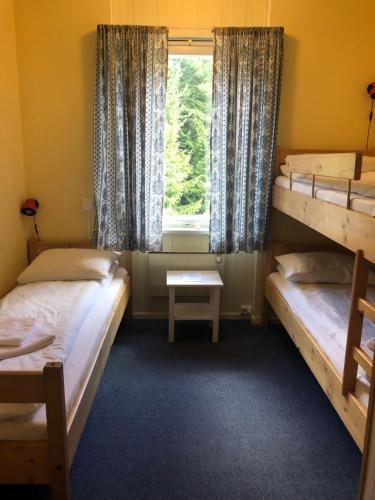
[
  {"x": 68, "y": 264},
  {"x": 318, "y": 267}
]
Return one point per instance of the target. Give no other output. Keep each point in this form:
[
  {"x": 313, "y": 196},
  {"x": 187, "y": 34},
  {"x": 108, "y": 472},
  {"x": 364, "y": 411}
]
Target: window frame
[{"x": 188, "y": 224}]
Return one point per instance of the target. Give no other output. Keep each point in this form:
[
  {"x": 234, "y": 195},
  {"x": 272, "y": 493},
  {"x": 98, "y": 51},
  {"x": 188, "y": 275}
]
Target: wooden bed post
[
  {"x": 56, "y": 430},
  {"x": 367, "y": 477},
  {"x": 359, "y": 288},
  {"x": 267, "y": 264},
  {"x": 267, "y": 269}
]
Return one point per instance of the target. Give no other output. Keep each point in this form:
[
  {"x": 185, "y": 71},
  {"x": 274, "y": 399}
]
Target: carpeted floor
[{"x": 244, "y": 419}]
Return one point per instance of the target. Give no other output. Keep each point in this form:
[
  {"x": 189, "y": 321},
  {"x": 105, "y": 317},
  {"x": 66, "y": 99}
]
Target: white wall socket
[
  {"x": 86, "y": 204},
  {"x": 247, "y": 310}
]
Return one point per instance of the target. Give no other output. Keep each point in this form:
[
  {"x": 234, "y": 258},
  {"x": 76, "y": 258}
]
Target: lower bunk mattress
[
  {"x": 324, "y": 311},
  {"x": 77, "y": 363}
]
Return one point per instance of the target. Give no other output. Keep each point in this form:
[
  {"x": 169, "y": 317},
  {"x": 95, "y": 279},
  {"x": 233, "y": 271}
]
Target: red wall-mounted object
[
  {"x": 371, "y": 90},
  {"x": 29, "y": 207}
]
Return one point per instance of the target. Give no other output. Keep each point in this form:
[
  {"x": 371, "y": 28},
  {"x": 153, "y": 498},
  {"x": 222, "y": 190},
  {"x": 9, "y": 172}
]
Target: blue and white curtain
[
  {"x": 130, "y": 92},
  {"x": 246, "y": 92}
]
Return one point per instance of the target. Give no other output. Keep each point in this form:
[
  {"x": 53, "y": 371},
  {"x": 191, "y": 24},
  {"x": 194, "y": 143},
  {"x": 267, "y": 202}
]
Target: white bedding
[
  {"x": 329, "y": 325},
  {"x": 358, "y": 203},
  {"x": 76, "y": 356}
]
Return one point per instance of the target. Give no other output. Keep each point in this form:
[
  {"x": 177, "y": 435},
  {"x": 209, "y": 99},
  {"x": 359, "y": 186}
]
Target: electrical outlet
[
  {"x": 247, "y": 310},
  {"x": 86, "y": 204}
]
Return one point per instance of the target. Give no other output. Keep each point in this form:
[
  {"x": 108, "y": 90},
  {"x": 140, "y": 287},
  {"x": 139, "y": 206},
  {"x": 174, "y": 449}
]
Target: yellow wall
[
  {"x": 12, "y": 180},
  {"x": 196, "y": 14},
  {"x": 328, "y": 63},
  {"x": 56, "y": 50}
]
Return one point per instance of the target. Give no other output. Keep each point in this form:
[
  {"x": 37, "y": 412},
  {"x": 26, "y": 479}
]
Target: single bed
[
  {"x": 328, "y": 328},
  {"x": 318, "y": 319},
  {"x": 40, "y": 447}
]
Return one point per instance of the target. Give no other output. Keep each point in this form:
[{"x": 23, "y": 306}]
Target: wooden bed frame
[
  {"x": 351, "y": 411},
  {"x": 48, "y": 461},
  {"x": 351, "y": 231}
]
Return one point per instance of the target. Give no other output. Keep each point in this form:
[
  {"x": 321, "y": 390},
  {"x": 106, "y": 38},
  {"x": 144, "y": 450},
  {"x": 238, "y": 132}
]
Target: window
[{"x": 187, "y": 135}]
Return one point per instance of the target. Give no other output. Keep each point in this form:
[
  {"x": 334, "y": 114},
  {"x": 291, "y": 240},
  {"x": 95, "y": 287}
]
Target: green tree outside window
[{"x": 188, "y": 120}]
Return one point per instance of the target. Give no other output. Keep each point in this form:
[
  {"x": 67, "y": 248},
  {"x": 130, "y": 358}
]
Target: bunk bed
[
  {"x": 349, "y": 228},
  {"x": 351, "y": 232},
  {"x": 40, "y": 450}
]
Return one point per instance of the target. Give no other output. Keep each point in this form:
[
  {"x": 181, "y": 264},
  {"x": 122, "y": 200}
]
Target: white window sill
[
  {"x": 186, "y": 224},
  {"x": 185, "y": 231}
]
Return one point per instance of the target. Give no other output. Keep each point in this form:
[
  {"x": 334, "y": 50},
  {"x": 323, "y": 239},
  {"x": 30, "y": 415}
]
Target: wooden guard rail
[
  {"x": 345, "y": 166},
  {"x": 359, "y": 308},
  {"x": 44, "y": 387}
]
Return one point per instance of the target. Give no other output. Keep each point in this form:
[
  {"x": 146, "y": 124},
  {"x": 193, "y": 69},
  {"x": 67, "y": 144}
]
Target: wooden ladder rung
[
  {"x": 363, "y": 360},
  {"x": 366, "y": 308}
]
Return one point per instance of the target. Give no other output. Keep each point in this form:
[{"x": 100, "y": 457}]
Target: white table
[{"x": 194, "y": 311}]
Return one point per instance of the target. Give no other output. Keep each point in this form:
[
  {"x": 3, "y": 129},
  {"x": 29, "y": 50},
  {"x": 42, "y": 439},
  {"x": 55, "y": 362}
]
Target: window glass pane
[{"x": 187, "y": 133}]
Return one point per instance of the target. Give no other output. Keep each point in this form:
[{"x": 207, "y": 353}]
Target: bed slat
[
  {"x": 56, "y": 430},
  {"x": 24, "y": 462},
  {"x": 343, "y": 165},
  {"x": 367, "y": 309},
  {"x": 362, "y": 359},
  {"x": 22, "y": 387}
]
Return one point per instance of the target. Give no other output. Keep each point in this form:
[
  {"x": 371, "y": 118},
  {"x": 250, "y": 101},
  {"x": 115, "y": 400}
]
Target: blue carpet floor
[{"x": 244, "y": 419}]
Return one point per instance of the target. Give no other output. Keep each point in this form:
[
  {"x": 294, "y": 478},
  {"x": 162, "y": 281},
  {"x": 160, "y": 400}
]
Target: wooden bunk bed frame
[
  {"x": 48, "y": 461},
  {"x": 351, "y": 231}
]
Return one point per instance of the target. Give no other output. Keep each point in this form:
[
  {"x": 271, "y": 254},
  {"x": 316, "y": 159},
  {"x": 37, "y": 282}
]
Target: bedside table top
[{"x": 194, "y": 278}]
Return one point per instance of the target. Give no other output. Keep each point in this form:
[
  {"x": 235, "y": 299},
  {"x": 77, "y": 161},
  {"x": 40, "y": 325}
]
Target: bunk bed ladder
[{"x": 360, "y": 307}]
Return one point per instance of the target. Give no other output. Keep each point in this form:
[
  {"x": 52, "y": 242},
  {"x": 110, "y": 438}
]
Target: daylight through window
[{"x": 187, "y": 135}]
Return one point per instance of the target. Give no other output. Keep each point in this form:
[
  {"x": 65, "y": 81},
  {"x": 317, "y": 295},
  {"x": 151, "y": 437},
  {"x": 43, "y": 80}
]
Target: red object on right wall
[{"x": 371, "y": 90}]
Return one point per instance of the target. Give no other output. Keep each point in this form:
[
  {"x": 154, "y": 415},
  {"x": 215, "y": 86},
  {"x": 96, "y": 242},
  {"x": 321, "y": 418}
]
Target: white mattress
[
  {"x": 329, "y": 325},
  {"x": 357, "y": 203},
  {"x": 76, "y": 364}
]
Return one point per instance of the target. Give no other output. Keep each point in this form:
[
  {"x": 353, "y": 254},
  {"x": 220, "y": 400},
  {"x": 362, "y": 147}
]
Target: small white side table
[{"x": 194, "y": 311}]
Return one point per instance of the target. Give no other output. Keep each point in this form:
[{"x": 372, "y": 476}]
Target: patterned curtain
[
  {"x": 130, "y": 91},
  {"x": 246, "y": 92}
]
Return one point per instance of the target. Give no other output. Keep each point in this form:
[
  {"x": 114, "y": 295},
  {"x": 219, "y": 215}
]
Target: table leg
[
  {"x": 215, "y": 300},
  {"x": 172, "y": 294},
  {"x": 212, "y": 291}
]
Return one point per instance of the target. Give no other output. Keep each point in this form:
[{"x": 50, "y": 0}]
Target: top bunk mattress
[
  {"x": 362, "y": 204},
  {"x": 329, "y": 327},
  {"x": 87, "y": 338}
]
